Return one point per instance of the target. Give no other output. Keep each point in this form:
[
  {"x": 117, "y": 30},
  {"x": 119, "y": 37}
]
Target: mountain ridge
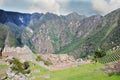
[{"x": 73, "y": 34}]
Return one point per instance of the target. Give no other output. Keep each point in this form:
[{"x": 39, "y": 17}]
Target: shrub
[
  {"x": 19, "y": 67},
  {"x": 16, "y": 65},
  {"x": 28, "y": 71},
  {"x": 110, "y": 73},
  {"x": 99, "y": 53},
  {"x": 47, "y": 63},
  {"x": 113, "y": 73},
  {"x": 26, "y": 65},
  {"x": 39, "y": 58}
]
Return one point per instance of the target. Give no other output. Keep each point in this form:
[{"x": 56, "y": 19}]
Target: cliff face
[
  {"x": 41, "y": 41},
  {"x": 53, "y": 33},
  {"x": 49, "y": 33}
]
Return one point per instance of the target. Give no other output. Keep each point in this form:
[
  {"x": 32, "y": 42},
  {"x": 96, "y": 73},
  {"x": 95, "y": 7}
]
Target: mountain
[
  {"x": 19, "y": 19},
  {"x": 106, "y": 36},
  {"x": 50, "y": 31},
  {"x": 109, "y": 33},
  {"x": 73, "y": 34},
  {"x": 16, "y": 22}
]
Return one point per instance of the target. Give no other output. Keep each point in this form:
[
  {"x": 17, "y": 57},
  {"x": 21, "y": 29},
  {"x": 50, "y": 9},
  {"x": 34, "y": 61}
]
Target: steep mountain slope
[
  {"x": 20, "y": 19},
  {"x": 15, "y": 22},
  {"x": 85, "y": 29},
  {"x": 7, "y": 37},
  {"x": 106, "y": 37},
  {"x": 73, "y": 34},
  {"x": 53, "y": 33},
  {"x": 3, "y": 34},
  {"x": 112, "y": 37}
]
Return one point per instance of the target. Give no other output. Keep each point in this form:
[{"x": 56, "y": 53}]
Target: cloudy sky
[{"x": 86, "y": 7}]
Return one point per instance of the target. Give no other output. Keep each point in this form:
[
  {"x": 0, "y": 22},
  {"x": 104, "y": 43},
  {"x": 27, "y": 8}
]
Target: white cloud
[
  {"x": 1, "y": 2},
  {"x": 31, "y": 5},
  {"x": 105, "y": 6},
  {"x": 44, "y": 6}
]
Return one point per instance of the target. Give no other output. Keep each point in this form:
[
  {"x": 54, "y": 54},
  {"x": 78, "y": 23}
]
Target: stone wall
[
  {"x": 62, "y": 61},
  {"x": 58, "y": 58},
  {"x": 18, "y": 52}
]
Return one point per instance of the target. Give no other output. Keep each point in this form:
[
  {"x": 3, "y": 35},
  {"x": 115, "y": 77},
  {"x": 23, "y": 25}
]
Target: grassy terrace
[{"x": 83, "y": 72}]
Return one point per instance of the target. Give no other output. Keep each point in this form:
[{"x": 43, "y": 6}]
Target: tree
[{"x": 99, "y": 54}]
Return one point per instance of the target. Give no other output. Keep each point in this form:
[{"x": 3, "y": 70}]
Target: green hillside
[
  {"x": 83, "y": 72},
  {"x": 7, "y": 37},
  {"x": 3, "y": 34},
  {"x": 106, "y": 36}
]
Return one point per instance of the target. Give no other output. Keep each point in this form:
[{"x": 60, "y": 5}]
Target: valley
[{"x": 47, "y": 46}]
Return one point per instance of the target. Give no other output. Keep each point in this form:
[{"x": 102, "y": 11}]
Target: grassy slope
[
  {"x": 11, "y": 40},
  {"x": 83, "y": 72},
  {"x": 109, "y": 31},
  {"x": 97, "y": 39},
  {"x": 3, "y": 34}
]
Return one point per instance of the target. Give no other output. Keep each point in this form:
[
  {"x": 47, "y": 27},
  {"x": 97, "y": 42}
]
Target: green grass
[
  {"x": 3, "y": 66},
  {"x": 83, "y": 72},
  {"x": 2, "y": 73}
]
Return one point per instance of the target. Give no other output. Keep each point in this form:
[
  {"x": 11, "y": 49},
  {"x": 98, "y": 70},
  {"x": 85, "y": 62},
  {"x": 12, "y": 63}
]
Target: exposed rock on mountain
[
  {"x": 52, "y": 33},
  {"x": 49, "y": 33}
]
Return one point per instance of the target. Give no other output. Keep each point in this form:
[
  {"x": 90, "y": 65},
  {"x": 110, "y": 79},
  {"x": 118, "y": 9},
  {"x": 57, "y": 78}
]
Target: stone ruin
[
  {"x": 58, "y": 58},
  {"x": 62, "y": 61},
  {"x": 18, "y": 52}
]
